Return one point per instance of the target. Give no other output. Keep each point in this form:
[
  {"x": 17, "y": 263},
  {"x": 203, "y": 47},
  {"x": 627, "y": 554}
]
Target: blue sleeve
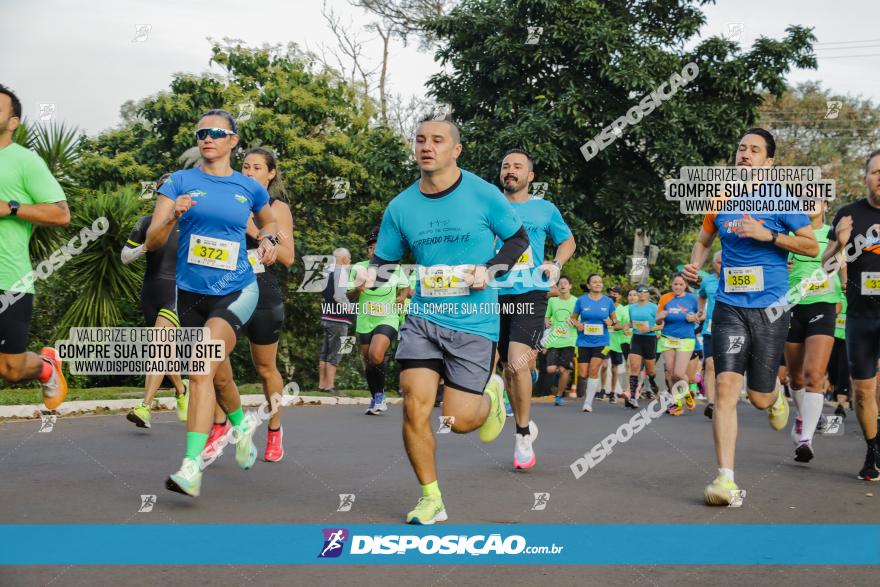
[
  {"x": 794, "y": 222},
  {"x": 261, "y": 197},
  {"x": 391, "y": 244},
  {"x": 173, "y": 186},
  {"x": 556, "y": 227},
  {"x": 503, "y": 219},
  {"x": 702, "y": 290},
  {"x": 577, "y": 307}
]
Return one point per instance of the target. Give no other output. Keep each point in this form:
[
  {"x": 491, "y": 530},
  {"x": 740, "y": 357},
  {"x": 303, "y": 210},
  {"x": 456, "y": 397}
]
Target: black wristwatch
[
  {"x": 13, "y": 207},
  {"x": 773, "y": 235}
]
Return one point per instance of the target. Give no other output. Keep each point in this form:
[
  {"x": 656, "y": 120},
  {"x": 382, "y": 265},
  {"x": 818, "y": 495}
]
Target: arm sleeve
[
  {"x": 511, "y": 250},
  {"x": 709, "y": 223},
  {"x": 503, "y": 219},
  {"x": 557, "y": 228},
  {"x": 40, "y": 184},
  {"x": 138, "y": 234}
]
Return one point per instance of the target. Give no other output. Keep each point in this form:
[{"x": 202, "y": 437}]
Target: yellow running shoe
[
  {"x": 183, "y": 402},
  {"x": 720, "y": 491},
  {"x": 778, "y": 412},
  {"x": 427, "y": 511},
  {"x": 675, "y": 410},
  {"x": 494, "y": 423},
  {"x": 690, "y": 401}
]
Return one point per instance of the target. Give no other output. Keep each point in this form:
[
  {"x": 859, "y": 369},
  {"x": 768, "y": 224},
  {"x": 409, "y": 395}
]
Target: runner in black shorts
[
  {"x": 593, "y": 316},
  {"x": 522, "y": 295},
  {"x": 216, "y": 286},
  {"x": 855, "y": 232},
  {"x": 811, "y": 336},
  {"x": 747, "y": 336},
  {"x": 562, "y": 339},
  {"x": 643, "y": 348},
  {"x": 159, "y": 307}
]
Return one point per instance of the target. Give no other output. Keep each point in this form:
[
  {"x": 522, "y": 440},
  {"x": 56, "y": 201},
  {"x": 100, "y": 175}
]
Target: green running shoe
[
  {"x": 188, "y": 480},
  {"x": 427, "y": 511},
  {"x": 245, "y": 449},
  {"x": 494, "y": 423},
  {"x": 183, "y": 402},
  {"x": 140, "y": 415}
]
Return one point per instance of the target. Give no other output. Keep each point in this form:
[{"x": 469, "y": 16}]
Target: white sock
[
  {"x": 727, "y": 473},
  {"x": 798, "y": 396},
  {"x": 592, "y": 388},
  {"x": 811, "y": 410}
]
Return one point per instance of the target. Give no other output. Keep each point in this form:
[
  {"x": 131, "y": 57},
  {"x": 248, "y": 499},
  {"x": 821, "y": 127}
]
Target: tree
[
  {"x": 814, "y": 127},
  {"x": 591, "y": 63}
]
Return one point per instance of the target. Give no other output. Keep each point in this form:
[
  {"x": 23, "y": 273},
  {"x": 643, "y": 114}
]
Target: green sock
[
  {"x": 431, "y": 490},
  {"x": 236, "y": 417},
  {"x": 695, "y": 388},
  {"x": 195, "y": 444}
]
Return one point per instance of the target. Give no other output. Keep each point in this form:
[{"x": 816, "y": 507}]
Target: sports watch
[{"x": 13, "y": 207}]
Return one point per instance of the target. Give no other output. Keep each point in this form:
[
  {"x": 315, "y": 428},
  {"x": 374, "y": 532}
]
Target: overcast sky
[{"x": 84, "y": 57}]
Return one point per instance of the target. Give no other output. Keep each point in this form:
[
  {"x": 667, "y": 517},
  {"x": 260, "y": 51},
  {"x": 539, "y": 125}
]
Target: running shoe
[
  {"x": 690, "y": 401},
  {"x": 213, "y": 450},
  {"x": 494, "y": 423},
  {"x": 869, "y": 471},
  {"x": 600, "y": 395},
  {"x": 371, "y": 411},
  {"x": 839, "y": 411},
  {"x": 245, "y": 449},
  {"x": 508, "y": 410},
  {"x": 274, "y": 446},
  {"x": 796, "y": 429},
  {"x": 523, "y": 454},
  {"x": 188, "y": 480},
  {"x": 720, "y": 491},
  {"x": 381, "y": 406},
  {"x": 55, "y": 389},
  {"x": 630, "y": 403},
  {"x": 535, "y": 376},
  {"x": 183, "y": 402},
  {"x": 559, "y": 400},
  {"x": 588, "y": 406},
  {"x": 675, "y": 410},
  {"x": 533, "y": 430},
  {"x": 427, "y": 511},
  {"x": 822, "y": 424},
  {"x": 612, "y": 398},
  {"x": 778, "y": 412},
  {"x": 140, "y": 415},
  {"x": 709, "y": 411},
  {"x": 804, "y": 452}
]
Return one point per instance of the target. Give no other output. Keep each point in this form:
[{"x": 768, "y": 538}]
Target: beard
[{"x": 513, "y": 186}]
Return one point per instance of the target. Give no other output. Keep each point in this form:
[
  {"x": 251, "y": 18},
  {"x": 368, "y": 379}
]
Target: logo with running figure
[
  {"x": 735, "y": 344},
  {"x": 541, "y": 500},
  {"x": 334, "y": 541},
  {"x": 316, "y": 276},
  {"x": 346, "y": 500}
]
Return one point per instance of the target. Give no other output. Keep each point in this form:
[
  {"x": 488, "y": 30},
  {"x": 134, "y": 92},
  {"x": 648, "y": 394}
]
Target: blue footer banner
[{"x": 279, "y": 544}]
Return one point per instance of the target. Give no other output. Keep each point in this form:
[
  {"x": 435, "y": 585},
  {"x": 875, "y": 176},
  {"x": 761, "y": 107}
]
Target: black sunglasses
[{"x": 214, "y": 133}]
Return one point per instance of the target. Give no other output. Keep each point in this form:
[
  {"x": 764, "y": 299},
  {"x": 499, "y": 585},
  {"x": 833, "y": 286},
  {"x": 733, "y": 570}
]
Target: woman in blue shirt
[
  {"x": 643, "y": 348},
  {"x": 593, "y": 315},
  {"x": 216, "y": 288},
  {"x": 677, "y": 312}
]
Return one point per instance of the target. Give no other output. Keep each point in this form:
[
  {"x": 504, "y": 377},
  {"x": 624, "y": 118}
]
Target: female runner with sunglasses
[{"x": 216, "y": 287}]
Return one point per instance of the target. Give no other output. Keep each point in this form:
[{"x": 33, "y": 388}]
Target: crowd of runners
[{"x": 482, "y": 298}]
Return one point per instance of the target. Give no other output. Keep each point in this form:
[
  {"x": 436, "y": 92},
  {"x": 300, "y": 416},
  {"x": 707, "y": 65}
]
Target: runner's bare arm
[
  {"x": 699, "y": 253},
  {"x": 165, "y": 215},
  {"x": 52, "y": 214}
]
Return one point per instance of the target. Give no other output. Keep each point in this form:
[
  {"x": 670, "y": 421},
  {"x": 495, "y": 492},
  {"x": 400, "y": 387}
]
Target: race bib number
[
  {"x": 561, "y": 331},
  {"x": 213, "y": 252},
  {"x": 375, "y": 309},
  {"x": 641, "y": 324},
  {"x": 440, "y": 281},
  {"x": 254, "y": 258},
  {"x": 840, "y": 322},
  {"x": 870, "y": 283},
  {"x": 525, "y": 261},
  {"x": 743, "y": 279},
  {"x": 671, "y": 343},
  {"x": 815, "y": 287},
  {"x": 594, "y": 329}
]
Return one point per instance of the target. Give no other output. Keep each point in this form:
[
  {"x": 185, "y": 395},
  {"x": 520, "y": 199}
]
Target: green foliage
[{"x": 593, "y": 62}]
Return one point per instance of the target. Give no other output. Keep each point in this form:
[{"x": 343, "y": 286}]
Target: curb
[{"x": 166, "y": 403}]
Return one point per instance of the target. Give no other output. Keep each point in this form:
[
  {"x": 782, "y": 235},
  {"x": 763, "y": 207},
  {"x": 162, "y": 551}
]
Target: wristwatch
[
  {"x": 558, "y": 264},
  {"x": 13, "y": 207},
  {"x": 773, "y": 235}
]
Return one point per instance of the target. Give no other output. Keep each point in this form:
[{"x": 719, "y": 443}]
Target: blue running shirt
[
  {"x": 211, "y": 253},
  {"x": 540, "y": 219},
  {"x": 458, "y": 228},
  {"x": 646, "y": 315},
  {"x": 708, "y": 290},
  {"x": 592, "y": 314},
  {"x": 675, "y": 324}
]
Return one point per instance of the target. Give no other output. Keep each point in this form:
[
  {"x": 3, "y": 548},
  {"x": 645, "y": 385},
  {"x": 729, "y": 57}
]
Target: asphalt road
[{"x": 94, "y": 470}]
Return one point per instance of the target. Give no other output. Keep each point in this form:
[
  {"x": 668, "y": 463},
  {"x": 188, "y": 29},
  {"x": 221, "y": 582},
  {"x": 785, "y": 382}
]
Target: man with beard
[{"x": 523, "y": 291}]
